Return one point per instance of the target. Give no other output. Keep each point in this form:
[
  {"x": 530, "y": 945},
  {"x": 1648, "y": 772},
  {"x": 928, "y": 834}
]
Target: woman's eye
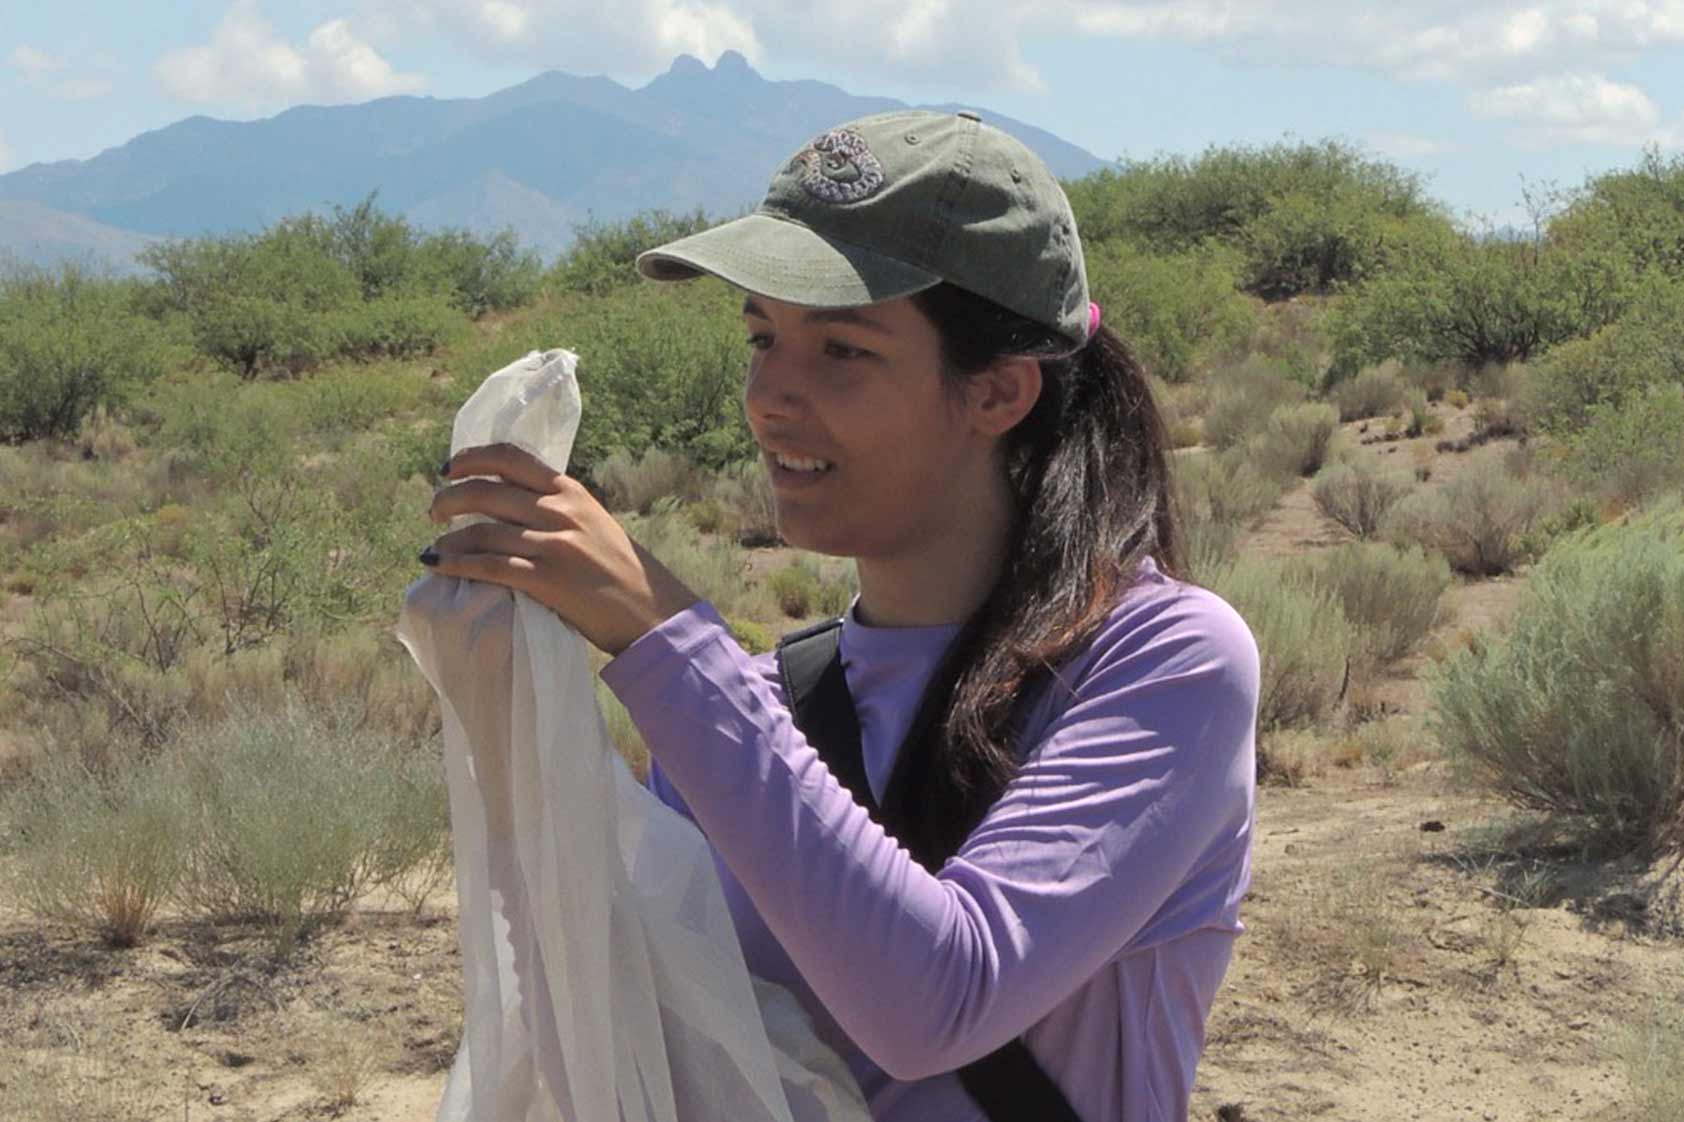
[
  {"x": 842, "y": 350},
  {"x": 759, "y": 342}
]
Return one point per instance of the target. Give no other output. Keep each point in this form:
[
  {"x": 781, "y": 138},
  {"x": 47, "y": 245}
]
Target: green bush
[
  {"x": 1176, "y": 311},
  {"x": 399, "y": 325},
  {"x": 603, "y": 255},
  {"x": 1297, "y": 439},
  {"x": 480, "y": 276},
  {"x": 1638, "y": 211},
  {"x": 748, "y": 510},
  {"x": 1303, "y": 216},
  {"x": 1633, "y": 450},
  {"x": 1623, "y": 360},
  {"x": 795, "y": 589},
  {"x": 1242, "y": 398},
  {"x": 1302, "y": 636},
  {"x": 1575, "y": 708},
  {"x": 753, "y": 637},
  {"x": 1480, "y": 520},
  {"x": 1473, "y": 301},
  {"x": 1374, "y": 392},
  {"x": 1224, "y": 487},
  {"x": 1357, "y": 495},
  {"x": 716, "y": 569},
  {"x": 1391, "y": 596},
  {"x": 71, "y": 342}
]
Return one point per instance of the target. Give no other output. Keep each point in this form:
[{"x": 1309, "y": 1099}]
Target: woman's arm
[{"x": 1137, "y": 795}]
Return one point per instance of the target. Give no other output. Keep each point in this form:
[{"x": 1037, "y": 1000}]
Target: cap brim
[{"x": 786, "y": 261}]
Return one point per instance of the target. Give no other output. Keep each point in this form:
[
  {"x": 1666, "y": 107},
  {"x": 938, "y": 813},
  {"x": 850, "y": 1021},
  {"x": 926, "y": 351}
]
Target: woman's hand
[{"x": 555, "y": 543}]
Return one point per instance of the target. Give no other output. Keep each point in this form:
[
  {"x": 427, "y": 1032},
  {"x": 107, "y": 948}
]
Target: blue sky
[{"x": 1472, "y": 94}]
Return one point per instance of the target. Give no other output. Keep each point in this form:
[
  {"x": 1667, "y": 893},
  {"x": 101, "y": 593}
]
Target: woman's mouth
[{"x": 789, "y": 472}]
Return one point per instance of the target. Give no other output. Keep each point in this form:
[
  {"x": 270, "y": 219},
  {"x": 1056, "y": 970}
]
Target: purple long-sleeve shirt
[{"x": 1093, "y": 910}]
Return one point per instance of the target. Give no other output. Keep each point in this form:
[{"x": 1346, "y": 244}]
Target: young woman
[{"x": 935, "y": 398}]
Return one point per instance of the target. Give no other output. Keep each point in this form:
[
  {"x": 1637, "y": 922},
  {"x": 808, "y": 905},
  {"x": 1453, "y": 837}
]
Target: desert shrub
[
  {"x": 293, "y": 814},
  {"x": 716, "y": 569},
  {"x": 603, "y": 255},
  {"x": 101, "y": 851},
  {"x": 1303, "y": 217},
  {"x": 659, "y": 366},
  {"x": 748, "y": 510},
  {"x": 1176, "y": 311},
  {"x": 1437, "y": 380},
  {"x": 1224, "y": 487},
  {"x": 753, "y": 637},
  {"x": 1242, "y": 398},
  {"x": 399, "y": 325},
  {"x": 1303, "y": 638},
  {"x": 837, "y": 591},
  {"x": 1297, "y": 439},
  {"x": 1473, "y": 300},
  {"x": 1357, "y": 495},
  {"x": 1479, "y": 520},
  {"x": 1373, "y": 392},
  {"x": 1644, "y": 349},
  {"x": 478, "y": 275},
  {"x": 795, "y": 589},
  {"x": 1391, "y": 596},
  {"x": 1632, "y": 450},
  {"x": 635, "y": 484},
  {"x": 1576, "y": 707},
  {"x": 1457, "y": 399},
  {"x": 71, "y": 341},
  {"x": 1638, "y": 210}
]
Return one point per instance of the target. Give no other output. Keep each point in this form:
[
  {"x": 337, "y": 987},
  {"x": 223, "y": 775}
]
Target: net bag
[{"x": 602, "y": 976}]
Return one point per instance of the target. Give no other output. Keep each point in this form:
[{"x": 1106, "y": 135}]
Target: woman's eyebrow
[{"x": 826, "y": 315}]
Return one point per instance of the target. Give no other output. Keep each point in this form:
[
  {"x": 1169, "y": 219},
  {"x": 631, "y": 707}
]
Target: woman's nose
[{"x": 773, "y": 388}]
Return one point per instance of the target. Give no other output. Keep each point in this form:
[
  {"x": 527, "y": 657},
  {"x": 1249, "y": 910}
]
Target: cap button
[{"x": 970, "y": 116}]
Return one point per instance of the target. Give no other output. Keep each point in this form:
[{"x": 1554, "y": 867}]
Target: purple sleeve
[{"x": 1128, "y": 824}]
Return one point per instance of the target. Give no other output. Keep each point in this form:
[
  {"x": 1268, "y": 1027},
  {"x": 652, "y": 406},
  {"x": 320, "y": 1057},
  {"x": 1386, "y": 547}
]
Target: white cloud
[
  {"x": 33, "y": 62},
  {"x": 1578, "y": 109},
  {"x": 247, "y": 63},
  {"x": 1405, "y": 145}
]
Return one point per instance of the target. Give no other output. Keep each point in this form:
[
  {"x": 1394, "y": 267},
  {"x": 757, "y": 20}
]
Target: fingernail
[
  {"x": 444, "y": 468},
  {"x": 428, "y": 556}
]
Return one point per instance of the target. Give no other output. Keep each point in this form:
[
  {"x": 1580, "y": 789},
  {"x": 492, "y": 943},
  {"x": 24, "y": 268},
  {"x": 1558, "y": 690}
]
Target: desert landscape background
[{"x": 1437, "y": 469}]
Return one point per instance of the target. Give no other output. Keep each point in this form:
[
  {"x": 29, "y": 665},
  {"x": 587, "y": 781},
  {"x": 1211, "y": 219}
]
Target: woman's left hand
[{"x": 553, "y": 541}]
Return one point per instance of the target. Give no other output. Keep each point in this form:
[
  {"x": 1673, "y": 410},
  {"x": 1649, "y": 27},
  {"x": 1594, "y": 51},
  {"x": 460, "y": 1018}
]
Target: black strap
[{"x": 1008, "y": 1084}]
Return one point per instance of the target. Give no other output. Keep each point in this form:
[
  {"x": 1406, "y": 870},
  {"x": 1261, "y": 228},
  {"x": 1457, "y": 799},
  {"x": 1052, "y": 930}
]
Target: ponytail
[{"x": 1089, "y": 475}]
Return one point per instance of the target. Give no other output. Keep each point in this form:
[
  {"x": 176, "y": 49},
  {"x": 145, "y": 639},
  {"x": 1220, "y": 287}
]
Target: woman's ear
[{"x": 1003, "y": 393}]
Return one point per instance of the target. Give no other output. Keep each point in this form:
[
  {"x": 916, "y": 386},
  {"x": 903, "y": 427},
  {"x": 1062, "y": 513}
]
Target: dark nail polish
[
  {"x": 429, "y": 556},
  {"x": 444, "y": 468}
]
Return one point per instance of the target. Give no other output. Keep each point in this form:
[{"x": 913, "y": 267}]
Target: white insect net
[{"x": 603, "y": 980}]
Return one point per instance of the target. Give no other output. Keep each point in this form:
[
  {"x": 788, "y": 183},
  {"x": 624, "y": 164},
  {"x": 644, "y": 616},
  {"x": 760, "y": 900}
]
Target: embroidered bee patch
[{"x": 838, "y": 167}]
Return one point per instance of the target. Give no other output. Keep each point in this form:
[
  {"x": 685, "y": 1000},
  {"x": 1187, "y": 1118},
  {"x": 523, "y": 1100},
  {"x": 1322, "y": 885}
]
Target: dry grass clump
[
  {"x": 1480, "y": 520},
  {"x": 1296, "y": 440},
  {"x": 636, "y": 483},
  {"x": 1374, "y": 392},
  {"x": 69, "y": 1070},
  {"x": 1348, "y": 933},
  {"x": 1391, "y": 595},
  {"x": 1651, "y": 1050},
  {"x": 1242, "y": 398},
  {"x": 1358, "y": 495},
  {"x": 342, "y": 1055}
]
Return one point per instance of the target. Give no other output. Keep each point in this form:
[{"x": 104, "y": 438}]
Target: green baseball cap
[{"x": 892, "y": 204}]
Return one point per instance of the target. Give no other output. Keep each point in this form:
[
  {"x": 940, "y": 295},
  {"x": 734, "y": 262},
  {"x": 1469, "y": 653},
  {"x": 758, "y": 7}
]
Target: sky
[{"x": 1484, "y": 99}]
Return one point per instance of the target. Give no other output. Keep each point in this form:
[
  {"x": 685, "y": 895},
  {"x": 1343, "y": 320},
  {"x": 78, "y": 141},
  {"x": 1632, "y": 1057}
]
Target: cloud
[
  {"x": 1405, "y": 145},
  {"x": 39, "y": 68},
  {"x": 1578, "y": 109},
  {"x": 247, "y": 63}
]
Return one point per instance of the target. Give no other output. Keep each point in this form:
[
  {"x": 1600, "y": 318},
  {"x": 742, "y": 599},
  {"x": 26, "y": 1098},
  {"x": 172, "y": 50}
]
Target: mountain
[
  {"x": 538, "y": 157},
  {"x": 32, "y": 234}
]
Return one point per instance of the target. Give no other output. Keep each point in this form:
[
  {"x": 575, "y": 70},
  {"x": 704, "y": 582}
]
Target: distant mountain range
[{"x": 538, "y": 157}]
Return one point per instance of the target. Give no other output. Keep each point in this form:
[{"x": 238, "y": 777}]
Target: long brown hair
[{"x": 1089, "y": 474}]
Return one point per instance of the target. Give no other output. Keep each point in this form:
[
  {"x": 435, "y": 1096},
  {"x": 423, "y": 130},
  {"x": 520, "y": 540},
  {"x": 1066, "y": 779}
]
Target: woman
[{"x": 935, "y": 397}]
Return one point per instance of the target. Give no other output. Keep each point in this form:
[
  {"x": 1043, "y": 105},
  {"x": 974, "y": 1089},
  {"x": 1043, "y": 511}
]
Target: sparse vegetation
[{"x": 1357, "y": 495}]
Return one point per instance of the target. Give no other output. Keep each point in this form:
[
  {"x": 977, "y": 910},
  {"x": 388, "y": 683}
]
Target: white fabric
[{"x": 603, "y": 980}]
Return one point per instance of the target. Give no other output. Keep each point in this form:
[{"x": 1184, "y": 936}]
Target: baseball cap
[{"x": 892, "y": 204}]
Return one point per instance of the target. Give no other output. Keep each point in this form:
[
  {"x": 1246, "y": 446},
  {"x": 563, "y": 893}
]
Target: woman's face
[{"x": 867, "y": 451}]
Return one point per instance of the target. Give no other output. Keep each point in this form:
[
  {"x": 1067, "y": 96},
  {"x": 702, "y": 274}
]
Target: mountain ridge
[{"x": 555, "y": 147}]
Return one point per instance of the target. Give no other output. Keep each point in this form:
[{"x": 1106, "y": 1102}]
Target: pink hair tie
[{"x": 1093, "y": 318}]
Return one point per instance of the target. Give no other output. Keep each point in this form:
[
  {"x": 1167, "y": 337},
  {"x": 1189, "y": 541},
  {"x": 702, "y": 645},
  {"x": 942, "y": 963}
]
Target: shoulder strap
[{"x": 1008, "y": 1084}]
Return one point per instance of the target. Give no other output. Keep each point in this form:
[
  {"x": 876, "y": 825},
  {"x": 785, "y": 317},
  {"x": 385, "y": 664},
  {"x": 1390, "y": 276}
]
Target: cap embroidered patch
[{"x": 838, "y": 167}]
